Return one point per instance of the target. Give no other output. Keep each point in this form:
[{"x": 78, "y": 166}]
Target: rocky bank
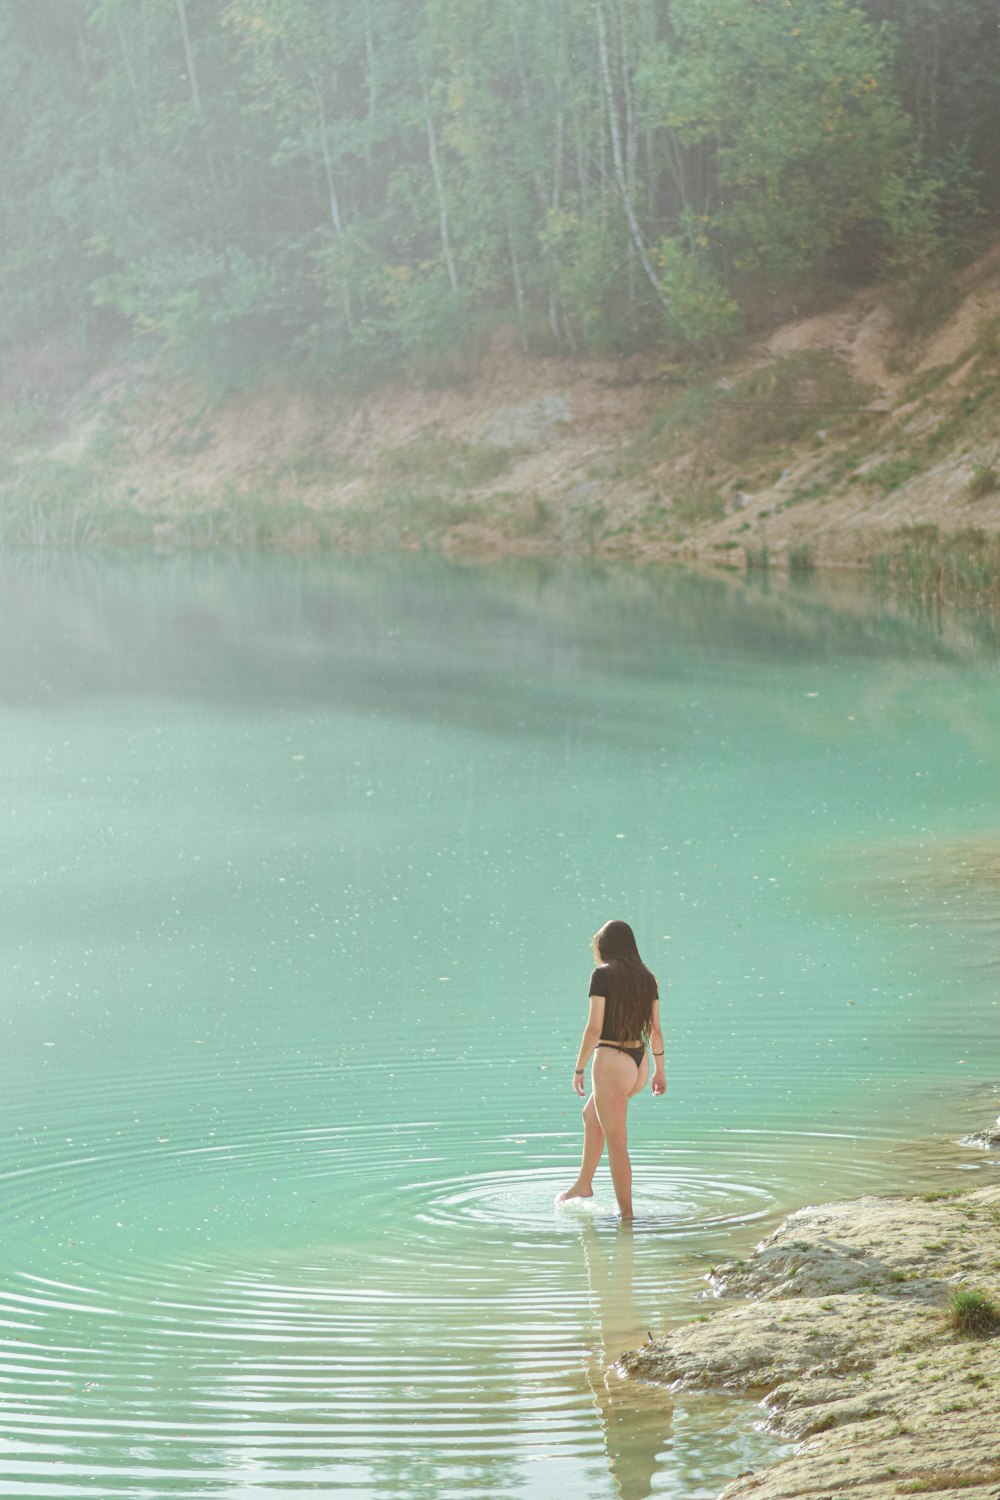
[{"x": 841, "y": 1322}]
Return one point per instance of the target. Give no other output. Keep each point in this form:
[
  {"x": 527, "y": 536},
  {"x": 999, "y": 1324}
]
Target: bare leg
[
  {"x": 618, "y": 1157},
  {"x": 615, "y": 1081},
  {"x": 593, "y": 1148}
]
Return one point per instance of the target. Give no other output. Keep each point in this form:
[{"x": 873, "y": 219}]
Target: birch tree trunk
[
  {"x": 515, "y": 266},
  {"x": 371, "y": 81},
  {"x": 81, "y": 44},
  {"x": 333, "y": 197},
  {"x": 140, "y": 119},
  {"x": 189, "y": 57},
  {"x": 199, "y": 112},
  {"x": 324, "y": 146},
  {"x": 635, "y": 232},
  {"x": 631, "y": 134},
  {"x": 449, "y": 258},
  {"x": 557, "y": 154}
]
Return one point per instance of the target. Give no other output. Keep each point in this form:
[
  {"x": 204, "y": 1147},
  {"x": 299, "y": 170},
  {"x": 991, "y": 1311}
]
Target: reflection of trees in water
[
  {"x": 637, "y": 1420},
  {"x": 414, "y": 635}
]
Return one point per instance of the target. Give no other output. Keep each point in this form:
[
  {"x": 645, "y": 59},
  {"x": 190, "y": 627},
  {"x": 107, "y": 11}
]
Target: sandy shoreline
[{"x": 840, "y": 1322}]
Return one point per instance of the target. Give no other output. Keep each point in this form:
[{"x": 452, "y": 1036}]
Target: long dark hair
[{"x": 635, "y": 987}]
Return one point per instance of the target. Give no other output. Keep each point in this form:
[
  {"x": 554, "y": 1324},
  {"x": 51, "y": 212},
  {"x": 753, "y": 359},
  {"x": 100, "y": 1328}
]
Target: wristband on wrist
[
  {"x": 579, "y": 1070},
  {"x": 657, "y": 1054}
]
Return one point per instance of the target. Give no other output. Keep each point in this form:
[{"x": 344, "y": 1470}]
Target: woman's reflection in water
[{"x": 637, "y": 1419}]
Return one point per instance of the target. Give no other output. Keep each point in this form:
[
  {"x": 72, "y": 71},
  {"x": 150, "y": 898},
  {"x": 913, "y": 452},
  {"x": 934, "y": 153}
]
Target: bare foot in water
[{"x": 576, "y": 1191}]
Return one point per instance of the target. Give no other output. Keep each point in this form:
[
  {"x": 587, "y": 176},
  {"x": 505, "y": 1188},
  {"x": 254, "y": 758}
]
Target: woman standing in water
[{"x": 624, "y": 1014}]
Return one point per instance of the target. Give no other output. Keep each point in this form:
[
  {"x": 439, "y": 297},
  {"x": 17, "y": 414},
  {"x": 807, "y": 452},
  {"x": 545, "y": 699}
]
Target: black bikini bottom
[{"x": 635, "y": 1053}]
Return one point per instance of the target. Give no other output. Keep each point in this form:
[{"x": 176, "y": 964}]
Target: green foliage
[
  {"x": 988, "y": 339},
  {"x": 699, "y": 308},
  {"x": 59, "y": 505},
  {"x": 363, "y": 189},
  {"x": 927, "y": 381},
  {"x": 985, "y": 481},
  {"x": 808, "y": 492},
  {"x": 910, "y": 206},
  {"x": 974, "y": 1313},
  {"x": 445, "y": 461},
  {"x": 606, "y": 313},
  {"x": 757, "y": 559},
  {"x": 931, "y": 219},
  {"x": 771, "y": 407},
  {"x": 802, "y": 558},
  {"x": 52, "y": 504},
  {"x": 892, "y": 472},
  {"x": 23, "y": 418},
  {"x": 692, "y": 506},
  {"x": 430, "y": 322},
  {"x": 216, "y": 314},
  {"x": 785, "y": 401},
  {"x": 923, "y": 564},
  {"x": 426, "y": 512},
  {"x": 785, "y": 129},
  {"x": 534, "y": 517},
  {"x": 962, "y": 413},
  {"x": 680, "y": 423},
  {"x": 945, "y": 71},
  {"x": 944, "y": 1480}
]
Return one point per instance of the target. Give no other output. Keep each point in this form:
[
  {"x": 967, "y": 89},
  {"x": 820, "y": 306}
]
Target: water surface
[{"x": 301, "y": 863}]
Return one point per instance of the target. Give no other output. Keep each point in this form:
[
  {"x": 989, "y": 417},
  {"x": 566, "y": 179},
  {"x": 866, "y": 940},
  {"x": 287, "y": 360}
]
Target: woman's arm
[
  {"x": 591, "y": 1036},
  {"x": 656, "y": 1047}
]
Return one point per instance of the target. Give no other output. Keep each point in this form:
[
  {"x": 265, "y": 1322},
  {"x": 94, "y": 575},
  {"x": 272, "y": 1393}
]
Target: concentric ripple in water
[
  {"x": 232, "y": 1309},
  {"x": 300, "y": 863}
]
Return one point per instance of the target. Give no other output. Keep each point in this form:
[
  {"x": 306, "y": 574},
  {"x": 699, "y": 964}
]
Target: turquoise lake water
[{"x": 302, "y": 859}]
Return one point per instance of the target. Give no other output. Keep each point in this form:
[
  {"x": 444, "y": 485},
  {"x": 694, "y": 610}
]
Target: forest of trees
[{"x": 344, "y": 188}]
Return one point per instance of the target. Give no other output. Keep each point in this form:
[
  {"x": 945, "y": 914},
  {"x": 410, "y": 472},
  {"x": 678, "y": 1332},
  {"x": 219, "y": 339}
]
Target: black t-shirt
[{"x": 602, "y": 982}]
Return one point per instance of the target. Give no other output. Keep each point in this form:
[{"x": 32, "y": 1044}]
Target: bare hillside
[{"x": 836, "y": 440}]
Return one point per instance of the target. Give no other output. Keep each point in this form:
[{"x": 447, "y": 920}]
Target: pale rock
[{"x": 847, "y": 1337}]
